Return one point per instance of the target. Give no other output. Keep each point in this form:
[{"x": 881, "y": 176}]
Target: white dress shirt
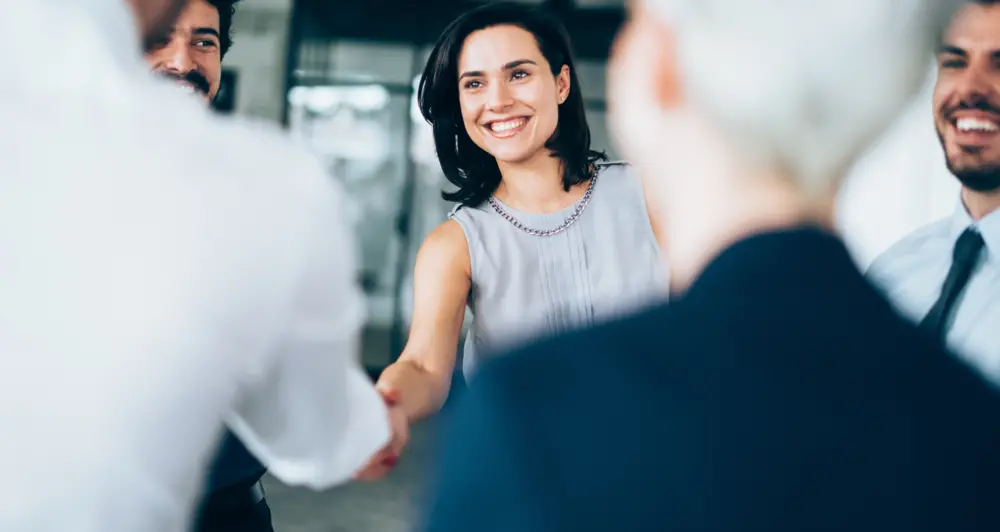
[
  {"x": 912, "y": 271},
  {"x": 162, "y": 270}
]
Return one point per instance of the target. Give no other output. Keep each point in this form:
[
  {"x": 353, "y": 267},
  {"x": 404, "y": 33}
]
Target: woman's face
[{"x": 508, "y": 95}]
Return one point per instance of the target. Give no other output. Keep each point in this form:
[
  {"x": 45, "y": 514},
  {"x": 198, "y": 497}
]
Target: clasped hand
[{"x": 386, "y": 458}]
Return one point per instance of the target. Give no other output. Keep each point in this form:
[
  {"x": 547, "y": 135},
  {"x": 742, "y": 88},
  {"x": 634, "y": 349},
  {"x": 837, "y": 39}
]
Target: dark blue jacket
[{"x": 781, "y": 393}]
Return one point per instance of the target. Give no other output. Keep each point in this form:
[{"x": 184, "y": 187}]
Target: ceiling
[
  {"x": 592, "y": 27},
  {"x": 582, "y": 3},
  {"x": 285, "y": 5},
  {"x": 265, "y": 5}
]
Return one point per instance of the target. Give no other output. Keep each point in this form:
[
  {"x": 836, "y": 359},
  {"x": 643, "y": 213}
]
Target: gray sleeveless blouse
[{"x": 523, "y": 286}]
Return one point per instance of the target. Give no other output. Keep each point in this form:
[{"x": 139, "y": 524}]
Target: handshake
[{"x": 399, "y": 424}]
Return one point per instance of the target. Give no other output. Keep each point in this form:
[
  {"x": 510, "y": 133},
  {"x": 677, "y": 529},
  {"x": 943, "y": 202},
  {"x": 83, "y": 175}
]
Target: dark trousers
[{"x": 239, "y": 508}]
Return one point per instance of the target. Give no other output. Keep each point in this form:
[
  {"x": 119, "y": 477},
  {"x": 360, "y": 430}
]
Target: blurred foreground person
[
  {"x": 191, "y": 55},
  {"x": 162, "y": 272},
  {"x": 779, "y": 391},
  {"x": 946, "y": 275}
]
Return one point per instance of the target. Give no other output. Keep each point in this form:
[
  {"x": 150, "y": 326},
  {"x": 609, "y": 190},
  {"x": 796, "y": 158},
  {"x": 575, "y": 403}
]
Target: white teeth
[
  {"x": 507, "y": 125},
  {"x": 186, "y": 88},
  {"x": 975, "y": 124}
]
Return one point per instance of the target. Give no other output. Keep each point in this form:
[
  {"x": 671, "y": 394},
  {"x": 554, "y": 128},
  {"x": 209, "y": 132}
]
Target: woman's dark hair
[{"x": 472, "y": 170}]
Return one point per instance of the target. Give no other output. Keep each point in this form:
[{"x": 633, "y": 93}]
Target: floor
[{"x": 390, "y": 505}]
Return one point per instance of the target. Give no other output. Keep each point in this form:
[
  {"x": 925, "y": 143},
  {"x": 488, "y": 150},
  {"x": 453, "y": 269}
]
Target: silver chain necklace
[{"x": 548, "y": 232}]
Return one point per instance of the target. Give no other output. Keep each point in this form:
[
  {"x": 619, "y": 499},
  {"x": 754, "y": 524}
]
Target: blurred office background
[{"x": 340, "y": 75}]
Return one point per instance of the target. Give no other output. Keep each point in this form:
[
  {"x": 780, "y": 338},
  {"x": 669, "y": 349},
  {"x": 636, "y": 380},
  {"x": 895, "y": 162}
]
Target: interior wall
[
  {"x": 258, "y": 55},
  {"x": 899, "y": 185}
]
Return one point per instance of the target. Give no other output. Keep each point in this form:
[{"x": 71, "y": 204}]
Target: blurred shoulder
[
  {"x": 259, "y": 151},
  {"x": 245, "y": 151},
  {"x": 249, "y": 164},
  {"x": 249, "y": 176}
]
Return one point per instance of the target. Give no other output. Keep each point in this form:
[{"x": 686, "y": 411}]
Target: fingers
[
  {"x": 400, "y": 431},
  {"x": 372, "y": 472},
  {"x": 398, "y": 421},
  {"x": 386, "y": 459},
  {"x": 389, "y": 395},
  {"x": 379, "y": 466}
]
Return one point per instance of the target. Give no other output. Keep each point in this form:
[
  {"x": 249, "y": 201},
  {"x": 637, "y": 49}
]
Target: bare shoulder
[
  {"x": 446, "y": 245},
  {"x": 449, "y": 231}
]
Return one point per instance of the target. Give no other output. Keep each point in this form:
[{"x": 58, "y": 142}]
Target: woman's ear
[{"x": 562, "y": 84}]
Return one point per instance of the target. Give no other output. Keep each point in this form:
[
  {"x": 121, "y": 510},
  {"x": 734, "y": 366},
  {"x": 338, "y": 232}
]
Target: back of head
[{"x": 802, "y": 87}]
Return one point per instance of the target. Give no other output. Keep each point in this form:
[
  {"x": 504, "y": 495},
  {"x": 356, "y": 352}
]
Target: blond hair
[{"x": 803, "y": 85}]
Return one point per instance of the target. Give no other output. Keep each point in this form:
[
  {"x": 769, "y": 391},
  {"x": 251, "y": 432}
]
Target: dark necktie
[{"x": 967, "y": 249}]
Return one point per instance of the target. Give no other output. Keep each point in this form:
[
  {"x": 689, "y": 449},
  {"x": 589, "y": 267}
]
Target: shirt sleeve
[{"x": 315, "y": 418}]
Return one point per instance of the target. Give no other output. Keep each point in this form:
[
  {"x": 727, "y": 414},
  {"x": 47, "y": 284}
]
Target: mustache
[
  {"x": 979, "y": 104},
  {"x": 198, "y": 81}
]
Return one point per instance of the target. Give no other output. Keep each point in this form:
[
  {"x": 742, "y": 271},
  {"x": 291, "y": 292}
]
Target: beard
[
  {"x": 984, "y": 177},
  {"x": 979, "y": 179}
]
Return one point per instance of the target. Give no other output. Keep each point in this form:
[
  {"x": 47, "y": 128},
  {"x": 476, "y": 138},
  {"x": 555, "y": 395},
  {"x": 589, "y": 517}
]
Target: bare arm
[{"x": 421, "y": 378}]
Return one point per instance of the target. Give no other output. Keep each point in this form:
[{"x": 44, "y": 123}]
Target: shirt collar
[{"x": 988, "y": 227}]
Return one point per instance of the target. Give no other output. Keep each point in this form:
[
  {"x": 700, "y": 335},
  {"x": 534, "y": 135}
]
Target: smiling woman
[
  {"x": 546, "y": 237},
  {"x": 504, "y": 72}
]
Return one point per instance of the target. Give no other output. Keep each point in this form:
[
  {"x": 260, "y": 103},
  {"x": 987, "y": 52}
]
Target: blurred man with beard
[
  {"x": 778, "y": 390},
  {"x": 164, "y": 273},
  {"x": 191, "y": 55},
  {"x": 946, "y": 275}
]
